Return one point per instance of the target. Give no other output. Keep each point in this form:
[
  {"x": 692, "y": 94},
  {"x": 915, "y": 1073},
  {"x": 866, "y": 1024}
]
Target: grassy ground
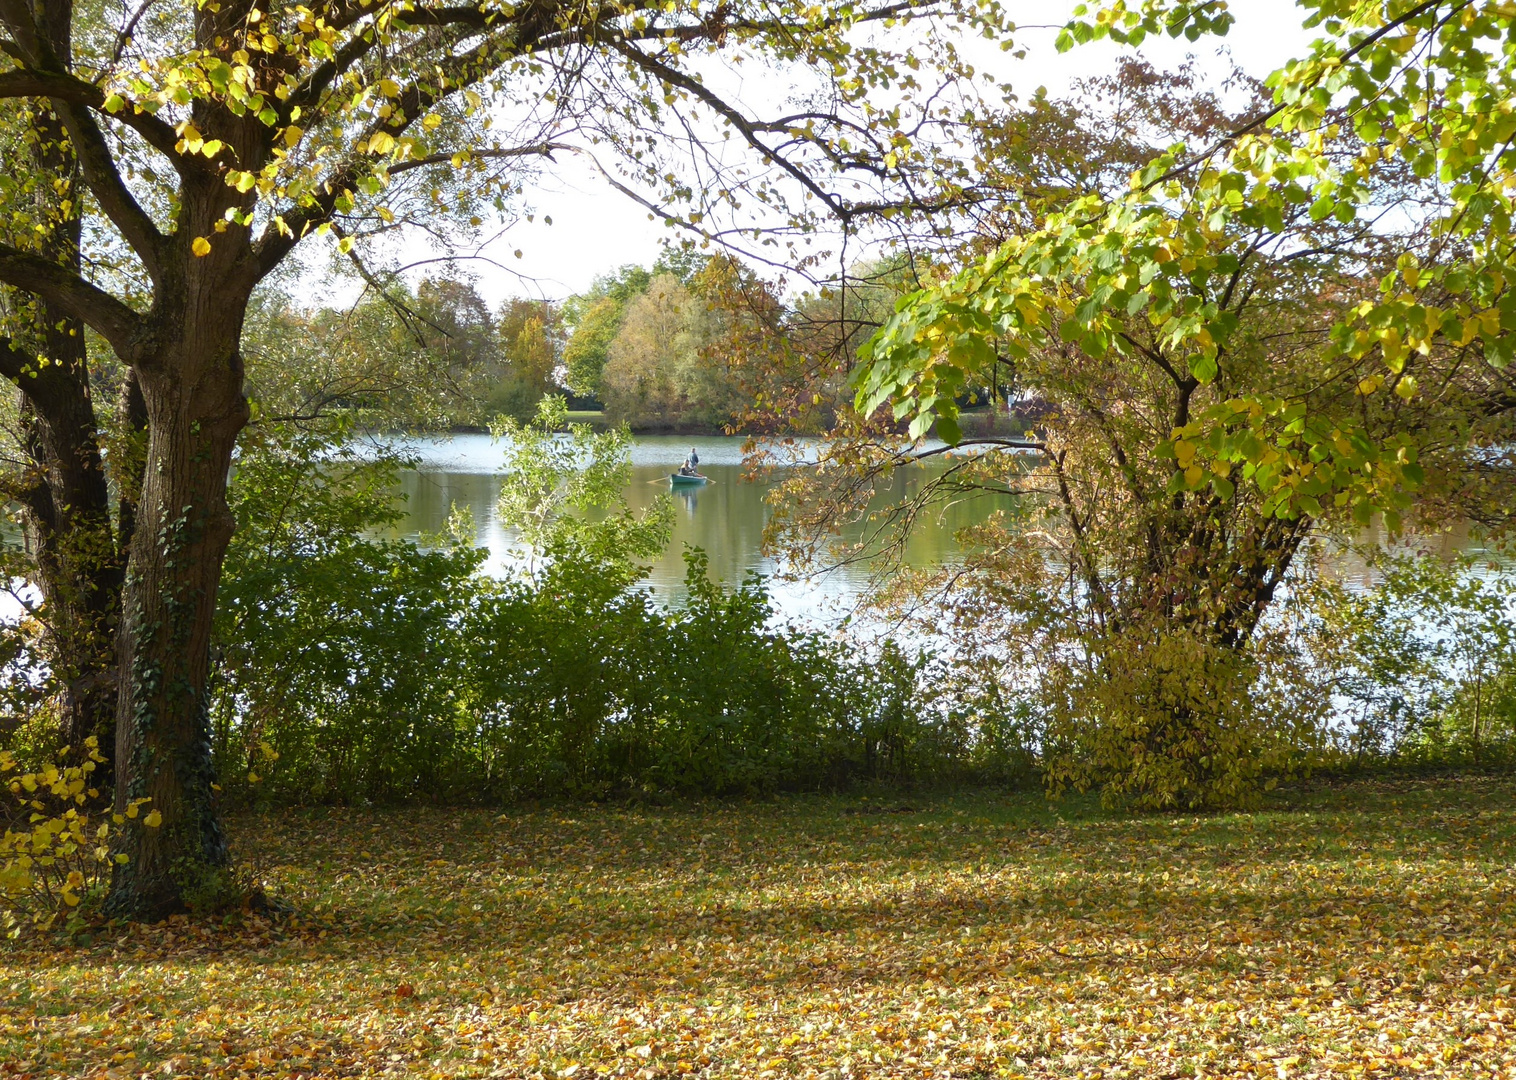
[{"x": 1364, "y": 931}]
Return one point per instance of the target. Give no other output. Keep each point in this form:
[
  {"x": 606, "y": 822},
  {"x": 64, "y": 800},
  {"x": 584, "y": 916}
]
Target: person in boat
[{"x": 691, "y": 466}]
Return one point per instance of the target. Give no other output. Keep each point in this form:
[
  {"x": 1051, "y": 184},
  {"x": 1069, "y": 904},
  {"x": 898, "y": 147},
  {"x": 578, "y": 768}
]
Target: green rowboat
[{"x": 685, "y": 480}]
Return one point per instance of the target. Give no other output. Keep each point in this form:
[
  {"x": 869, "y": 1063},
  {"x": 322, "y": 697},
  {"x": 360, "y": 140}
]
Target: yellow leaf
[
  {"x": 153, "y": 820},
  {"x": 292, "y": 135},
  {"x": 201, "y": 247}
]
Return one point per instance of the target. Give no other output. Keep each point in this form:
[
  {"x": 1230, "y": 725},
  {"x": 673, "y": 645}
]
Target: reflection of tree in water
[{"x": 725, "y": 519}]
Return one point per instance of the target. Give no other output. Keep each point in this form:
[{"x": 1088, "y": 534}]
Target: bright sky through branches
[{"x": 595, "y": 229}]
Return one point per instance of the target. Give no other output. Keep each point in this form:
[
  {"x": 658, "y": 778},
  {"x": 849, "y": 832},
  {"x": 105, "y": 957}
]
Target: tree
[
  {"x": 566, "y": 499},
  {"x": 428, "y": 358},
  {"x": 215, "y": 137},
  {"x": 455, "y": 323},
  {"x": 1234, "y": 363},
  {"x": 656, "y": 347},
  {"x": 593, "y": 319},
  {"x": 589, "y": 348},
  {"x": 61, "y": 489},
  {"x": 695, "y": 352},
  {"x": 800, "y": 381},
  {"x": 531, "y": 340}
]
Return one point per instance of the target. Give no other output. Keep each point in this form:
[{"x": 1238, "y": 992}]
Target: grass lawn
[{"x": 1367, "y": 930}]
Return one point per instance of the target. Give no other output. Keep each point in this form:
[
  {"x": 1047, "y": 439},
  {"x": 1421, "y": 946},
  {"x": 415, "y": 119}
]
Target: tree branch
[
  {"x": 411, "y": 105},
  {"x": 1230, "y": 137},
  {"x": 721, "y": 108},
  {"x": 544, "y": 149},
  {"x": 71, "y": 294},
  {"x": 41, "y": 84},
  {"x": 104, "y": 180},
  {"x": 360, "y": 44},
  {"x": 14, "y": 362},
  {"x": 128, "y": 29}
]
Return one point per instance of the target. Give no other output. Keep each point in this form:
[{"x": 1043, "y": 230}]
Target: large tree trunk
[{"x": 195, "y": 409}]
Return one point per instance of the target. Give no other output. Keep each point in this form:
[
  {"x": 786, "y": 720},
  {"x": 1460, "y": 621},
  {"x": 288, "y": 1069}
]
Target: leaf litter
[{"x": 1361, "y": 930}]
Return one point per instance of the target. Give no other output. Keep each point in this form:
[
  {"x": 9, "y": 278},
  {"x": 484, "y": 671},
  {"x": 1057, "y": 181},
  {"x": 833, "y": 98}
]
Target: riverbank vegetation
[
  {"x": 1244, "y": 353},
  {"x": 361, "y": 670},
  {"x": 165, "y": 165},
  {"x": 662, "y": 349}
]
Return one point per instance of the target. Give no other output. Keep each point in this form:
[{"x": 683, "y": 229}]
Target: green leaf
[{"x": 1203, "y": 366}]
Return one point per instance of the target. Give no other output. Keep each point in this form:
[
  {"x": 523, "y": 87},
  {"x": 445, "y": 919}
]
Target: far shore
[{"x": 979, "y": 422}]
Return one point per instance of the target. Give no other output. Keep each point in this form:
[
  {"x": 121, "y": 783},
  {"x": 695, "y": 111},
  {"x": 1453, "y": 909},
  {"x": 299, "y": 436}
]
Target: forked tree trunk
[{"x": 195, "y": 408}]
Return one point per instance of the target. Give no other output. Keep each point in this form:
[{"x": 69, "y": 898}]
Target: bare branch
[
  {"x": 733, "y": 116},
  {"x": 104, "y": 180},
  {"x": 543, "y": 149},
  {"x": 128, "y": 29}
]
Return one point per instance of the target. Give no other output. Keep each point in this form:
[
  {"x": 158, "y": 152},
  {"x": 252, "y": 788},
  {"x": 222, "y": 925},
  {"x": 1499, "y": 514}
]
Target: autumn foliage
[
  {"x": 1361, "y": 931},
  {"x": 56, "y": 854}
]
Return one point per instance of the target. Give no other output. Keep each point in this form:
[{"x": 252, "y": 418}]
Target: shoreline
[{"x": 975, "y": 423}]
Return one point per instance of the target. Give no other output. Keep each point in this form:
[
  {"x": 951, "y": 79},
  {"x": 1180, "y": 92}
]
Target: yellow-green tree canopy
[{"x": 1393, "y": 136}]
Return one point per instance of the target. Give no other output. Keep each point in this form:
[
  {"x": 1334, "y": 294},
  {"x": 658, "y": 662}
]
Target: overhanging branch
[
  {"x": 26, "y": 83},
  {"x": 71, "y": 294}
]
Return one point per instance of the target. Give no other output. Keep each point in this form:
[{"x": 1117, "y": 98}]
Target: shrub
[
  {"x": 55, "y": 860},
  {"x": 356, "y": 668},
  {"x": 1161, "y": 718},
  {"x": 339, "y": 652},
  {"x": 1424, "y": 664}
]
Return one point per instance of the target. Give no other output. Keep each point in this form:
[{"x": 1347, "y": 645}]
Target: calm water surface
[{"x": 725, "y": 517}]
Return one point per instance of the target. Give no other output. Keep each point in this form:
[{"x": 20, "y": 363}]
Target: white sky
[{"x": 596, "y": 229}]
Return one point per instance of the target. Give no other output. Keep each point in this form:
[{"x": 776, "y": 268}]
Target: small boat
[{"x": 687, "y": 479}]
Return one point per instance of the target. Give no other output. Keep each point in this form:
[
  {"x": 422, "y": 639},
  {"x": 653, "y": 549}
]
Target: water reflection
[{"x": 725, "y": 517}]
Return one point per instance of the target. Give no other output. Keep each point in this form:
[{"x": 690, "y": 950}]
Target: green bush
[
  {"x": 354, "y": 668},
  {"x": 1424, "y": 664},
  {"x": 340, "y": 654}
]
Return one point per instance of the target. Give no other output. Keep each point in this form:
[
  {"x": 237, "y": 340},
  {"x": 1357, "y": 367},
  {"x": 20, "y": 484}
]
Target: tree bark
[
  {"x": 65, "y": 500},
  {"x": 195, "y": 408},
  {"x": 68, "y": 528}
]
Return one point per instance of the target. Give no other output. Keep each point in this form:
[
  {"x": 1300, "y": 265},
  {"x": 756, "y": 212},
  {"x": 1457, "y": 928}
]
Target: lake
[{"x": 725, "y": 517}]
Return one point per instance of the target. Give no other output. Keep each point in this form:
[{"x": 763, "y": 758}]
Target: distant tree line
[{"x": 694, "y": 342}]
